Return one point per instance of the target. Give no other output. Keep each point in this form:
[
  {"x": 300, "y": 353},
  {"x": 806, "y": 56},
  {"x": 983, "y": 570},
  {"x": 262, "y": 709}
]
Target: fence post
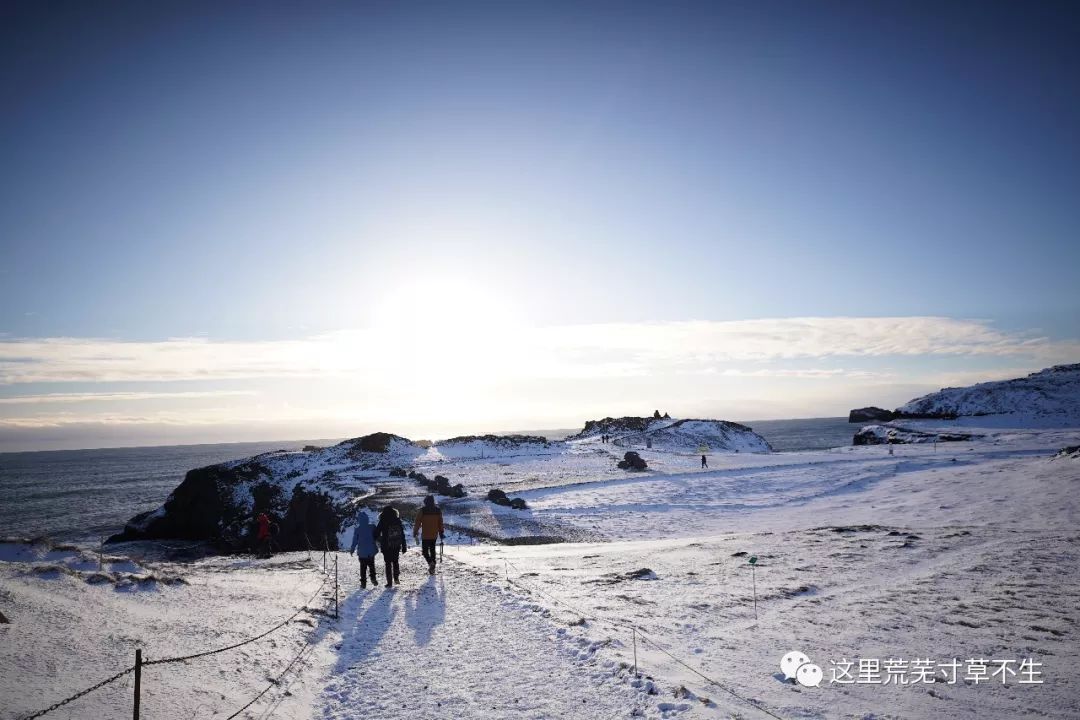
[
  {"x": 635, "y": 651},
  {"x": 753, "y": 575},
  {"x": 138, "y": 681},
  {"x": 100, "y": 552},
  {"x": 325, "y": 544},
  {"x": 335, "y": 588}
]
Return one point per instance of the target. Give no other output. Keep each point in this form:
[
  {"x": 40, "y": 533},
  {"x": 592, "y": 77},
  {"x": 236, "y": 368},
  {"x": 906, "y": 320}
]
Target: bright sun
[{"x": 444, "y": 338}]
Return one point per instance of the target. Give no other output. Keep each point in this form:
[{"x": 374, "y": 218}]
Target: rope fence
[
  {"x": 635, "y": 631},
  {"x": 140, "y": 663},
  {"x": 307, "y": 646}
]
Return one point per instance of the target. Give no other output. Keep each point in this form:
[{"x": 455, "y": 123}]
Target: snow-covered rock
[
  {"x": 488, "y": 446},
  {"x": 1051, "y": 392},
  {"x": 306, "y": 494},
  {"x": 896, "y": 435},
  {"x": 677, "y": 435}
]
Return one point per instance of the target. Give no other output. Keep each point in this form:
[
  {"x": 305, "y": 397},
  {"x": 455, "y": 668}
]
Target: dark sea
[{"x": 81, "y": 496}]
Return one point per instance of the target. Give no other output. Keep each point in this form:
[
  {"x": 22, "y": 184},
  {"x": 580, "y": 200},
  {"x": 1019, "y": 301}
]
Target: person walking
[
  {"x": 262, "y": 536},
  {"x": 390, "y": 534},
  {"x": 428, "y": 526},
  {"x": 704, "y": 462},
  {"x": 363, "y": 544}
]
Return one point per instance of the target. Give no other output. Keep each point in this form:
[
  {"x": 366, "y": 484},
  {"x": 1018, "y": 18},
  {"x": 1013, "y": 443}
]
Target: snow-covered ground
[{"x": 968, "y": 550}]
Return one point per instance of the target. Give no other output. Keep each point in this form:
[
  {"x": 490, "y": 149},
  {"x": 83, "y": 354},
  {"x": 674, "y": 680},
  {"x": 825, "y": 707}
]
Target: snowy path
[{"x": 456, "y": 645}]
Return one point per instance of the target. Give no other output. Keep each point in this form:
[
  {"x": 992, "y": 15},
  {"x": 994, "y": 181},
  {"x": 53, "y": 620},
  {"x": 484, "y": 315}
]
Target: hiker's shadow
[
  {"x": 425, "y": 609},
  {"x": 367, "y": 617}
]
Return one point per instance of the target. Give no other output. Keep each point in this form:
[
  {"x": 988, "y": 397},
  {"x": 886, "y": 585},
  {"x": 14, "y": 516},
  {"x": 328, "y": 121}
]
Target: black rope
[
  {"x": 79, "y": 694},
  {"x": 616, "y": 623},
  {"x": 283, "y": 623},
  {"x": 274, "y": 681}
]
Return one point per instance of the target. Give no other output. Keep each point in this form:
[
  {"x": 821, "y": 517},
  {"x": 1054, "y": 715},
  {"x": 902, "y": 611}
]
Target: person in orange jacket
[{"x": 428, "y": 526}]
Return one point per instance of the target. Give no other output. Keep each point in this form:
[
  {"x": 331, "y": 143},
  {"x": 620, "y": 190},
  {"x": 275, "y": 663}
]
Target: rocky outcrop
[
  {"x": 870, "y": 414},
  {"x": 614, "y": 426},
  {"x": 685, "y": 435},
  {"x": 488, "y": 446},
  {"x": 893, "y": 435},
  {"x": 1051, "y": 392},
  {"x": 1072, "y": 452},
  {"x": 303, "y": 493}
]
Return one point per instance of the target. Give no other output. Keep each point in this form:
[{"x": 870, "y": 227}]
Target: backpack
[{"x": 394, "y": 537}]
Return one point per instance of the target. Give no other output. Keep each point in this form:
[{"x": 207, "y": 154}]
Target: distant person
[
  {"x": 704, "y": 462},
  {"x": 363, "y": 544},
  {"x": 262, "y": 536},
  {"x": 428, "y": 526},
  {"x": 390, "y": 534}
]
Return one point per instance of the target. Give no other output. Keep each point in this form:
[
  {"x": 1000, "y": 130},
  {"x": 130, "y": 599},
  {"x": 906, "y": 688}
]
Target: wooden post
[
  {"x": 100, "y": 552},
  {"x": 635, "y": 651},
  {"x": 335, "y": 588},
  {"x": 138, "y": 681},
  {"x": 753, "y": 574}
]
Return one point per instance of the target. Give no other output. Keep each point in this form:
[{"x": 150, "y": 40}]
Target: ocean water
[
  {"x": 81, "y": 496},
  {"x": 805, "y": 433}
]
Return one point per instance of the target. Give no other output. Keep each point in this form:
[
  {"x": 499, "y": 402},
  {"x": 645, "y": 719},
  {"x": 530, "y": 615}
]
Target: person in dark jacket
[
  {"x": 390, "y": 534},
  {"x": 428, "y": 526},
  {"x": 363, "y": 544}
]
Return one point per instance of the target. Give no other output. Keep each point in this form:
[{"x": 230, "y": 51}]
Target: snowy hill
[
  {"x": 488, "y": 446},
  {"x": 676, "y": 435},
  {"x": 1054, "y": 391}
]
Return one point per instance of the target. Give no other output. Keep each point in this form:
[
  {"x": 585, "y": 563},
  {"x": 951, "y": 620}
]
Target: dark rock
[
  {"x": 442, "y": 483},
  {"x": 458, "y": 491},
  {"x": 633, "y": 461},
  {"x": 375, "y": 442},
  {"x": 498, "y": 497},
  {"x": 1072, "y": 451},
  {"x": 656, "y": 414},
  {"x": 312, "y": 448},
  {"x": 885, "y": 435},
  {"x": 202, "y": 508},
  {"x": 4, "y": 620},
  {"x": 519, "y": 504},
  {"x": 399, "y": 472},
  {"x": 870, "y": 414}
]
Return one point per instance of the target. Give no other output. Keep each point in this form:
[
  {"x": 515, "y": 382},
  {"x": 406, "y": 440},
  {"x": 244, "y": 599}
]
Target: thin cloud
[
  {"x": 69, "y": 398},
  {"x": 577, "y": 351}
]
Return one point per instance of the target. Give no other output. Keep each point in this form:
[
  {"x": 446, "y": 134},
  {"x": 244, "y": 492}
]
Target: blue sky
[{"x": 264, "y": 178}]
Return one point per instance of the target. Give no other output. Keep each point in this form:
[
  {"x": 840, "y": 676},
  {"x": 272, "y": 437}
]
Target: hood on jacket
[
  {"x": 362, "y": 519},
  {"x": 389, "y": 512}
]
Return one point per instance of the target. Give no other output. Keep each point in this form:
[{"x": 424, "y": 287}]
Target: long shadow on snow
[
  {"x": 425, "y": 609},
  {"x": 361, "y": 632}
]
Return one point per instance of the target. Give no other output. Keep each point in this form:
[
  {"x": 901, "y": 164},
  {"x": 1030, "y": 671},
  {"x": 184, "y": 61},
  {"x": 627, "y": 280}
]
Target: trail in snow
[{"x": 456, "y": 645}]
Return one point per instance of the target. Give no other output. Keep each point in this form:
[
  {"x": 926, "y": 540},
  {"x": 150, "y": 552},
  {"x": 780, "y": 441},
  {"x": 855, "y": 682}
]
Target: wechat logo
[{"x": 797, "y": 666}]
